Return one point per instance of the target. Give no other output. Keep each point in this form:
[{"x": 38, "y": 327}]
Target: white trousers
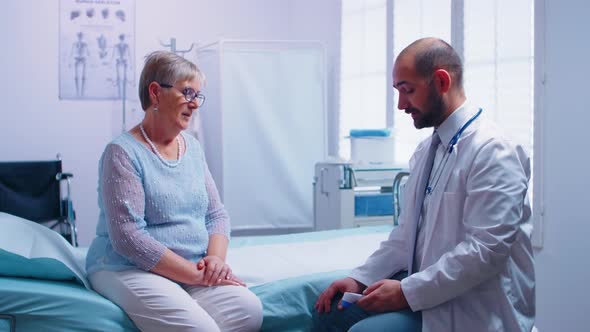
[{"x": 155, "y": 303}]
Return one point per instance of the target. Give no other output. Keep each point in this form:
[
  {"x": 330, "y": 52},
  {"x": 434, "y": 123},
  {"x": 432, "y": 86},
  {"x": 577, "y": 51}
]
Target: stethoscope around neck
[
  {"x": 452, "y": 143},
  {"x": 457, "y": 135}
]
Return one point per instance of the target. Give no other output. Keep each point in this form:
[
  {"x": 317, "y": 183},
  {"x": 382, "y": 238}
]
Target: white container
[{"x": 372, "y": 150}]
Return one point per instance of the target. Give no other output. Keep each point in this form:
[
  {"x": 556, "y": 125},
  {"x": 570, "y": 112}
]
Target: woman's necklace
[{"x": 166, "y": 162}]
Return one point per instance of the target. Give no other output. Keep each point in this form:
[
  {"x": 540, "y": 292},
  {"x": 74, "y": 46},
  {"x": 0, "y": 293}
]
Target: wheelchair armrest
[{"x": 63, "y": 176}]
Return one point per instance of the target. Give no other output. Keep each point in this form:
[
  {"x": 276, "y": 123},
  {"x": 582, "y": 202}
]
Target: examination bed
[{"x": 43, "y": 285}]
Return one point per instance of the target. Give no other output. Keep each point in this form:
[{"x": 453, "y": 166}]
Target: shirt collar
[{"x": 453, "y": 123}]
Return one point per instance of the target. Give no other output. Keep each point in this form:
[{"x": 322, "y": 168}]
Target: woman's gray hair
[{"x": 165, "y": 68}]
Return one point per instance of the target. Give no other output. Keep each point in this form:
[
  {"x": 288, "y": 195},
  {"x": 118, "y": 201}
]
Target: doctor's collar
[{"x": 453, "y": 123}]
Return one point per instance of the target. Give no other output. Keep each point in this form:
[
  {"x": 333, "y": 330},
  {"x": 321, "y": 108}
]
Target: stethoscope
[{"x": 452, "y": 143}]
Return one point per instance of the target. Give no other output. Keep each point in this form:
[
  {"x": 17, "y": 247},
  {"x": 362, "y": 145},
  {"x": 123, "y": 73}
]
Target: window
[
  {"x": 363, "y": 87},
  {"x": 496, "y": 42},
  {"x": 414, "y": 19},
  {"x": 495, "y": 39}
]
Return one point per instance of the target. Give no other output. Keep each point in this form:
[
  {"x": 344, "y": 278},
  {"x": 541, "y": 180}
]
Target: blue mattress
[
  {"x": 59, "y": 306},
  {"x": 288, "y": 303},
  {"x": 52, "y": 305}
]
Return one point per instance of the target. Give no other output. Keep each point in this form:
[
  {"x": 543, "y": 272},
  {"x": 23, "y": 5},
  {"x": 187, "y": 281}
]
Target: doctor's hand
[
  {"x": 339, "y": 286},
  {"x": 383, "y": 296},
  {"x": 216, "y": 271}
]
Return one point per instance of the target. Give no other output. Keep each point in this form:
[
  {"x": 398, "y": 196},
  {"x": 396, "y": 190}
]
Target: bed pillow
[{"x": 31, "y": 250}]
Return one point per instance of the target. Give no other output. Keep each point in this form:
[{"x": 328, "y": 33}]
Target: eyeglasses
[{"x": 189, "y": 94}]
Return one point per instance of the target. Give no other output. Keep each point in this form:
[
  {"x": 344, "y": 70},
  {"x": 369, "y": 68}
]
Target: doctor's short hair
[
  {"x": 165, "y": 68},
  {"x": 436, "y": 54}
]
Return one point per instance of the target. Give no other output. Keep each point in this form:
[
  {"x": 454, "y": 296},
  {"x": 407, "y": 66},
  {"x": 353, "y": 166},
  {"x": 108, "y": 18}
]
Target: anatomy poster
[{"x": 96, "y": 50}]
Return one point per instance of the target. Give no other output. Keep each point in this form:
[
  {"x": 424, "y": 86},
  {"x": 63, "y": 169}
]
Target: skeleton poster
[{"x": 96, "y": 49}]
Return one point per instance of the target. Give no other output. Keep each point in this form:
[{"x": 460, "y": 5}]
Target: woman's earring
[{"x": 155, "y": 108}]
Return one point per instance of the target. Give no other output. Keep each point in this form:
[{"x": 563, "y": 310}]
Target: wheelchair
[{"x": 33, "y": 190}]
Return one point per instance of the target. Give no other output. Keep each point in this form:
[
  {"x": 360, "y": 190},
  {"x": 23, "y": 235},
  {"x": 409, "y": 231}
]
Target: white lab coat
[{"x": 477, "y": 270}]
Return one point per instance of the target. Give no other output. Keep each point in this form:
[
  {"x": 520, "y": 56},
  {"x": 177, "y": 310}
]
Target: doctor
[{"x": 464, "y": 235}]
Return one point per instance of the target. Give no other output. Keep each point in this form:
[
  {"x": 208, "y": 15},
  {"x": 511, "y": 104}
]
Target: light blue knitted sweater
[{"x": 147, "y": 206}]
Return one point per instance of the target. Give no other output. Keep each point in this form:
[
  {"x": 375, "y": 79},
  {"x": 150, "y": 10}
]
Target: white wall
[
  {"x": 563, "y": 265},
  {"x": 35, "y": 124}
]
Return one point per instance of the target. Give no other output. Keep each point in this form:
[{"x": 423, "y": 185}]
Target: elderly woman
[{"x": 163, "y": 232}]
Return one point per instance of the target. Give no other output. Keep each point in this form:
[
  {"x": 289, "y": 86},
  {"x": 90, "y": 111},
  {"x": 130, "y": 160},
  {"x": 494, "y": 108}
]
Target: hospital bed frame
[
  {"x": 8, "y": 321},
  {"x": 398, "y": 184}
]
